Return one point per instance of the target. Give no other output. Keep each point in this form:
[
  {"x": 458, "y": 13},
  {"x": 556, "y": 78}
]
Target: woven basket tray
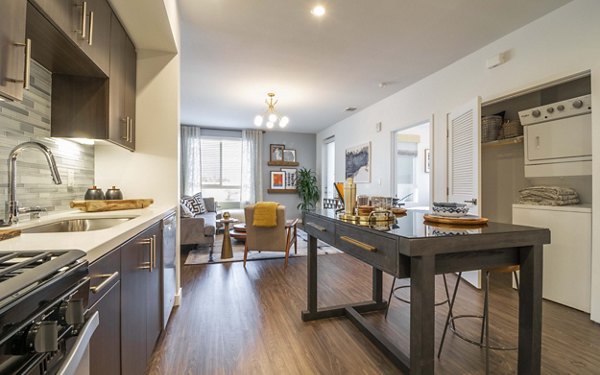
[
  {"x": 490, "y": 128},
  {"x": 511, "y": 129}
]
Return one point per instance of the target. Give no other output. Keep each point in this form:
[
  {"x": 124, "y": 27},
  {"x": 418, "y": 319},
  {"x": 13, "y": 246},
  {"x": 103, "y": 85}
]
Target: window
[{"x": 221, "y": 167}]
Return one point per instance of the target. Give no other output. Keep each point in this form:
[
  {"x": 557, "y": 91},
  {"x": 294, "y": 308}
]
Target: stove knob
[
  {"x": 560, "y": 107},
  {"x": 536, "y": 113},
  {"x": 577, "y": 104},
  {"x": 71, "y": 312},
  {"x": 550, "y": 110},
  {"x": 43, "y": 337}
]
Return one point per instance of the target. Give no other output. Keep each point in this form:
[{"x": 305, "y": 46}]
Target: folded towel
[{"x": 265, "y": 214}]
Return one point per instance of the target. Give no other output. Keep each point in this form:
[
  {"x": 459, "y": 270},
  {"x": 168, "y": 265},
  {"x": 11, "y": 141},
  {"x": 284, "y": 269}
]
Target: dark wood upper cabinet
[
  {"x": 86, "y": 23},
  {"x": 12, "y": 48},
  {"x": 122, "y": 87}
]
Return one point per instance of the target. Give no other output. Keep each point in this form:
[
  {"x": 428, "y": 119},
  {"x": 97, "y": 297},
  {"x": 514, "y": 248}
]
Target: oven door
[{"x": 77, "y": 360}]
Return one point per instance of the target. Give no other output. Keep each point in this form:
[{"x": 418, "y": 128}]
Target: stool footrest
[{"x": 478, "y": 343}]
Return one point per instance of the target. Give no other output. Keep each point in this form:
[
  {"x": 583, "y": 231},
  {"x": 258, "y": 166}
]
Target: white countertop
[{"x": 95, "y": 243}]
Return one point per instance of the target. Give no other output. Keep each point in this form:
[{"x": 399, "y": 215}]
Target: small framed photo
[
  {"x": 277, "y": 180},
  {"x": 427, "y": 160},
  {"x": 289, "y": 155},
  {"x": 277, "y": 152},
  {"x": 290, "y": 177}
]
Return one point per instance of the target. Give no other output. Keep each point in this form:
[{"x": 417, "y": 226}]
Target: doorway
[
  {"x": 328, "y": 168},
  {"x": 412, "y": 165}
]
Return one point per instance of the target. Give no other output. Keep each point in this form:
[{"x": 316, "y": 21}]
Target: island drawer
[
  {"x": 104, "y": 273},
  {"x": 322, "y": 229},
  {"x": 377, "y": 250}
]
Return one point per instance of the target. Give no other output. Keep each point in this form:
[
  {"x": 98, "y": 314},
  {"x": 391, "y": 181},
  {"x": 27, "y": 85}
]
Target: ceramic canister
[
  {"x": 94, "y": 193},
  {"x": 114, "y": 194}
]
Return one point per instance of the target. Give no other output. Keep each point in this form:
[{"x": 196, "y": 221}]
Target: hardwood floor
[{"x": 236, "y": 321}]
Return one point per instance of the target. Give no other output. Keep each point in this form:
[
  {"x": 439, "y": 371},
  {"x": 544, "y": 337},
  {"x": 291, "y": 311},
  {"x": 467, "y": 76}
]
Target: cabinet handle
[
  {"x": 27, "y": 70},
  {"x": 83, "y": 19},
  {"x": 91, "y": 34},
  {"x": 154, "y": 250},
  {"x": 148, "y": 241},
  {"x": 126, "y": 121},
  {"x": 537, "y": 141},
  {"x": 362, "y": 245},
  {"x": 109, "y": 278},
  {"x": 130, "y": 129},
  {"x": 317, "y": 227}
]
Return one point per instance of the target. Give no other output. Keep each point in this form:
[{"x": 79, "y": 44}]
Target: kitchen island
[{"x": 415, "y": 249}]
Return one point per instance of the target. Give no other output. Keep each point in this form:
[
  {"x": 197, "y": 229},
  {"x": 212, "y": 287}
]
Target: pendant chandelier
[{"x": 271, "y": 115}]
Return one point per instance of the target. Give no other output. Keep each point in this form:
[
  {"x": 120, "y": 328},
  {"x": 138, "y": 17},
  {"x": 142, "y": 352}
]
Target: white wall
[
  {"x": 153, "y": 169},
  {"x": 559, "y": 44}
]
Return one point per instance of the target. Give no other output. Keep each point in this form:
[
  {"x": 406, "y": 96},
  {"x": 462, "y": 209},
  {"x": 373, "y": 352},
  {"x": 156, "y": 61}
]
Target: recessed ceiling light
[{"x": 318, "y": 11}]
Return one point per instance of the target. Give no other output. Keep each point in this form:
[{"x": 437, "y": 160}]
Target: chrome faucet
[{"x": 12, "y": 206}]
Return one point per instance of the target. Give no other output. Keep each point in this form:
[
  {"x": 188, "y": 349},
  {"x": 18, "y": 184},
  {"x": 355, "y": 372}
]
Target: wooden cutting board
[
  {"x": 455, "y": 220},
  {"x": 111, "y": 205},
  {"x": 5, "y": 234}
]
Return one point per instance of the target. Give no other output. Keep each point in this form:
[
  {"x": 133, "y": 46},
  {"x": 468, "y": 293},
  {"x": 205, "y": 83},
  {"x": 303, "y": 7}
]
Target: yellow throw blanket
[{"x": 265, "y": 214}]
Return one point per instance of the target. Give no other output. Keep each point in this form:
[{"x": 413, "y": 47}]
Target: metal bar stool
[
  {"x": 485, "y": 319},
  {"x": 394, "y": 289}
]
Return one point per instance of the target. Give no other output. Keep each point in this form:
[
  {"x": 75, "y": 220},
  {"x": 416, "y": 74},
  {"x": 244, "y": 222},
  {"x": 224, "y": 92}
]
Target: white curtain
[
  {"x": 251, "y": 166},
  {"x": 191, "y": 165}
]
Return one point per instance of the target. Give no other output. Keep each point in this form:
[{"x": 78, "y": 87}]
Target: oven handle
[{"x": 71, "y": 363}]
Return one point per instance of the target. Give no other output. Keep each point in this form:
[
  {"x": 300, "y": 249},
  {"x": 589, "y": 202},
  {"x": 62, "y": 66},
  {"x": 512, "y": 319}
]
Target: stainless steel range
[{"x": 43, "y": 297}]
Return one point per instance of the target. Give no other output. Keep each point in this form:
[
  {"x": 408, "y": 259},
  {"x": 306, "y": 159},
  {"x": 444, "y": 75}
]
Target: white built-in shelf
[{"x": 503, "y": 142}]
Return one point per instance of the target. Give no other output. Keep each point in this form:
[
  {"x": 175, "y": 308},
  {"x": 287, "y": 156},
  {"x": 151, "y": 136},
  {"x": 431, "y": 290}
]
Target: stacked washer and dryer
[{"x": 558, "y": 144}]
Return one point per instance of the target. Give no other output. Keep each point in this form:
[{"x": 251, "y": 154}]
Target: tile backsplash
[{"x": 29, "y": 120}]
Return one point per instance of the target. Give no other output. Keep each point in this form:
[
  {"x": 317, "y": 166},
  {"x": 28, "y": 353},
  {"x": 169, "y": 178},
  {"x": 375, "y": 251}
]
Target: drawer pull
[
  {"x": 362, "y": 245},
  {"x": 109, "y": 278},
  {"x": 317, "y": 227}
]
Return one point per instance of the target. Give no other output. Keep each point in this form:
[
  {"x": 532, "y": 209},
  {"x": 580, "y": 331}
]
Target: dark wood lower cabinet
[
  {"x": 126, "y": 289},
  {"x": 105, "y": 346},
  {"x": 140, "y": 300}
]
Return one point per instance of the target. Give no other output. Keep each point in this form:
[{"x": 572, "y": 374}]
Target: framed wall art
[
  {"x": 276, "y": 152},
  {"x": 277, "y": 180},
  {"x": 289, "y": 155},
  {"x": 358, "y": 163},
  {"x": 290, "y": 177},
  {"x": 427, "y": 158}
]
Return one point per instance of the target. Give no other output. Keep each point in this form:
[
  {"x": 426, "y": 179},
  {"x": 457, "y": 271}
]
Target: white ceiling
[{"x": 235, "y": 51}]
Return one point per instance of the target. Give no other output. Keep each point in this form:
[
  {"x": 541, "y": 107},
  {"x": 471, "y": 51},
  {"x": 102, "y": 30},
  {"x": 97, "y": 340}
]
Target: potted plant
[{"x": 308, "y": 191}]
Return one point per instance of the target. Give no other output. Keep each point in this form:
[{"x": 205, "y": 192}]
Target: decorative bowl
[{"x": 450, "y": 211}]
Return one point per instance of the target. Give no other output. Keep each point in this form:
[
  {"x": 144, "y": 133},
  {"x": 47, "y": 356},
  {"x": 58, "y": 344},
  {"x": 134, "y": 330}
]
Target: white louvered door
[
  {"x": 464, "y": 163},
  {"x": 464, "y": 155}
]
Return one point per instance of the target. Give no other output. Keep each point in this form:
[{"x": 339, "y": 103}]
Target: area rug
[{"x": 201, "y": 255}]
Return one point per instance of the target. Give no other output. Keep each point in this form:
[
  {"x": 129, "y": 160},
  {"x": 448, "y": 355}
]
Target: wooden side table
[{"x": 226, "y": 250}]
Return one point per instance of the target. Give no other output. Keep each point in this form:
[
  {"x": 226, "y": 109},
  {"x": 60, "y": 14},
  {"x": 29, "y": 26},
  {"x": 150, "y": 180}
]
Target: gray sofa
[{"x": 201, "y": 229}]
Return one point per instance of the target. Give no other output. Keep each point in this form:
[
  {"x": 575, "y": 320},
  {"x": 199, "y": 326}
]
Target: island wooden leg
[
  {"x": 311, "y": 287},
  {"x": 422, "y": 314},
  {"x": 530, "y": 310},
  {"x": 377, "y": 285}
]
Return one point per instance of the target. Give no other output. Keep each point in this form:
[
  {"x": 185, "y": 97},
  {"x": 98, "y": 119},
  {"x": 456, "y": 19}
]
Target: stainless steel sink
[{"x": 77, "y": 225}]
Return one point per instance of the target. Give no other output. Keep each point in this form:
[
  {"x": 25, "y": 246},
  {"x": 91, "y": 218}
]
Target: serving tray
[
  {"x": 464, "y": 220},
  {"x": 111, "y": 205}
]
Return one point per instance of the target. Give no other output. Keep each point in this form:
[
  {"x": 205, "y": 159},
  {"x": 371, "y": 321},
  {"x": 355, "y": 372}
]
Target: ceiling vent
[{"x": 350, "y": 109}]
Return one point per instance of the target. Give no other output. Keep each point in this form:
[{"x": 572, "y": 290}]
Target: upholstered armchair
[{"x": 278, "y": 238}]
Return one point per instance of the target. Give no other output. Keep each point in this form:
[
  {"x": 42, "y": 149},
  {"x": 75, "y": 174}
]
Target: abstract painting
[{"x": 358, "y": 163}]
